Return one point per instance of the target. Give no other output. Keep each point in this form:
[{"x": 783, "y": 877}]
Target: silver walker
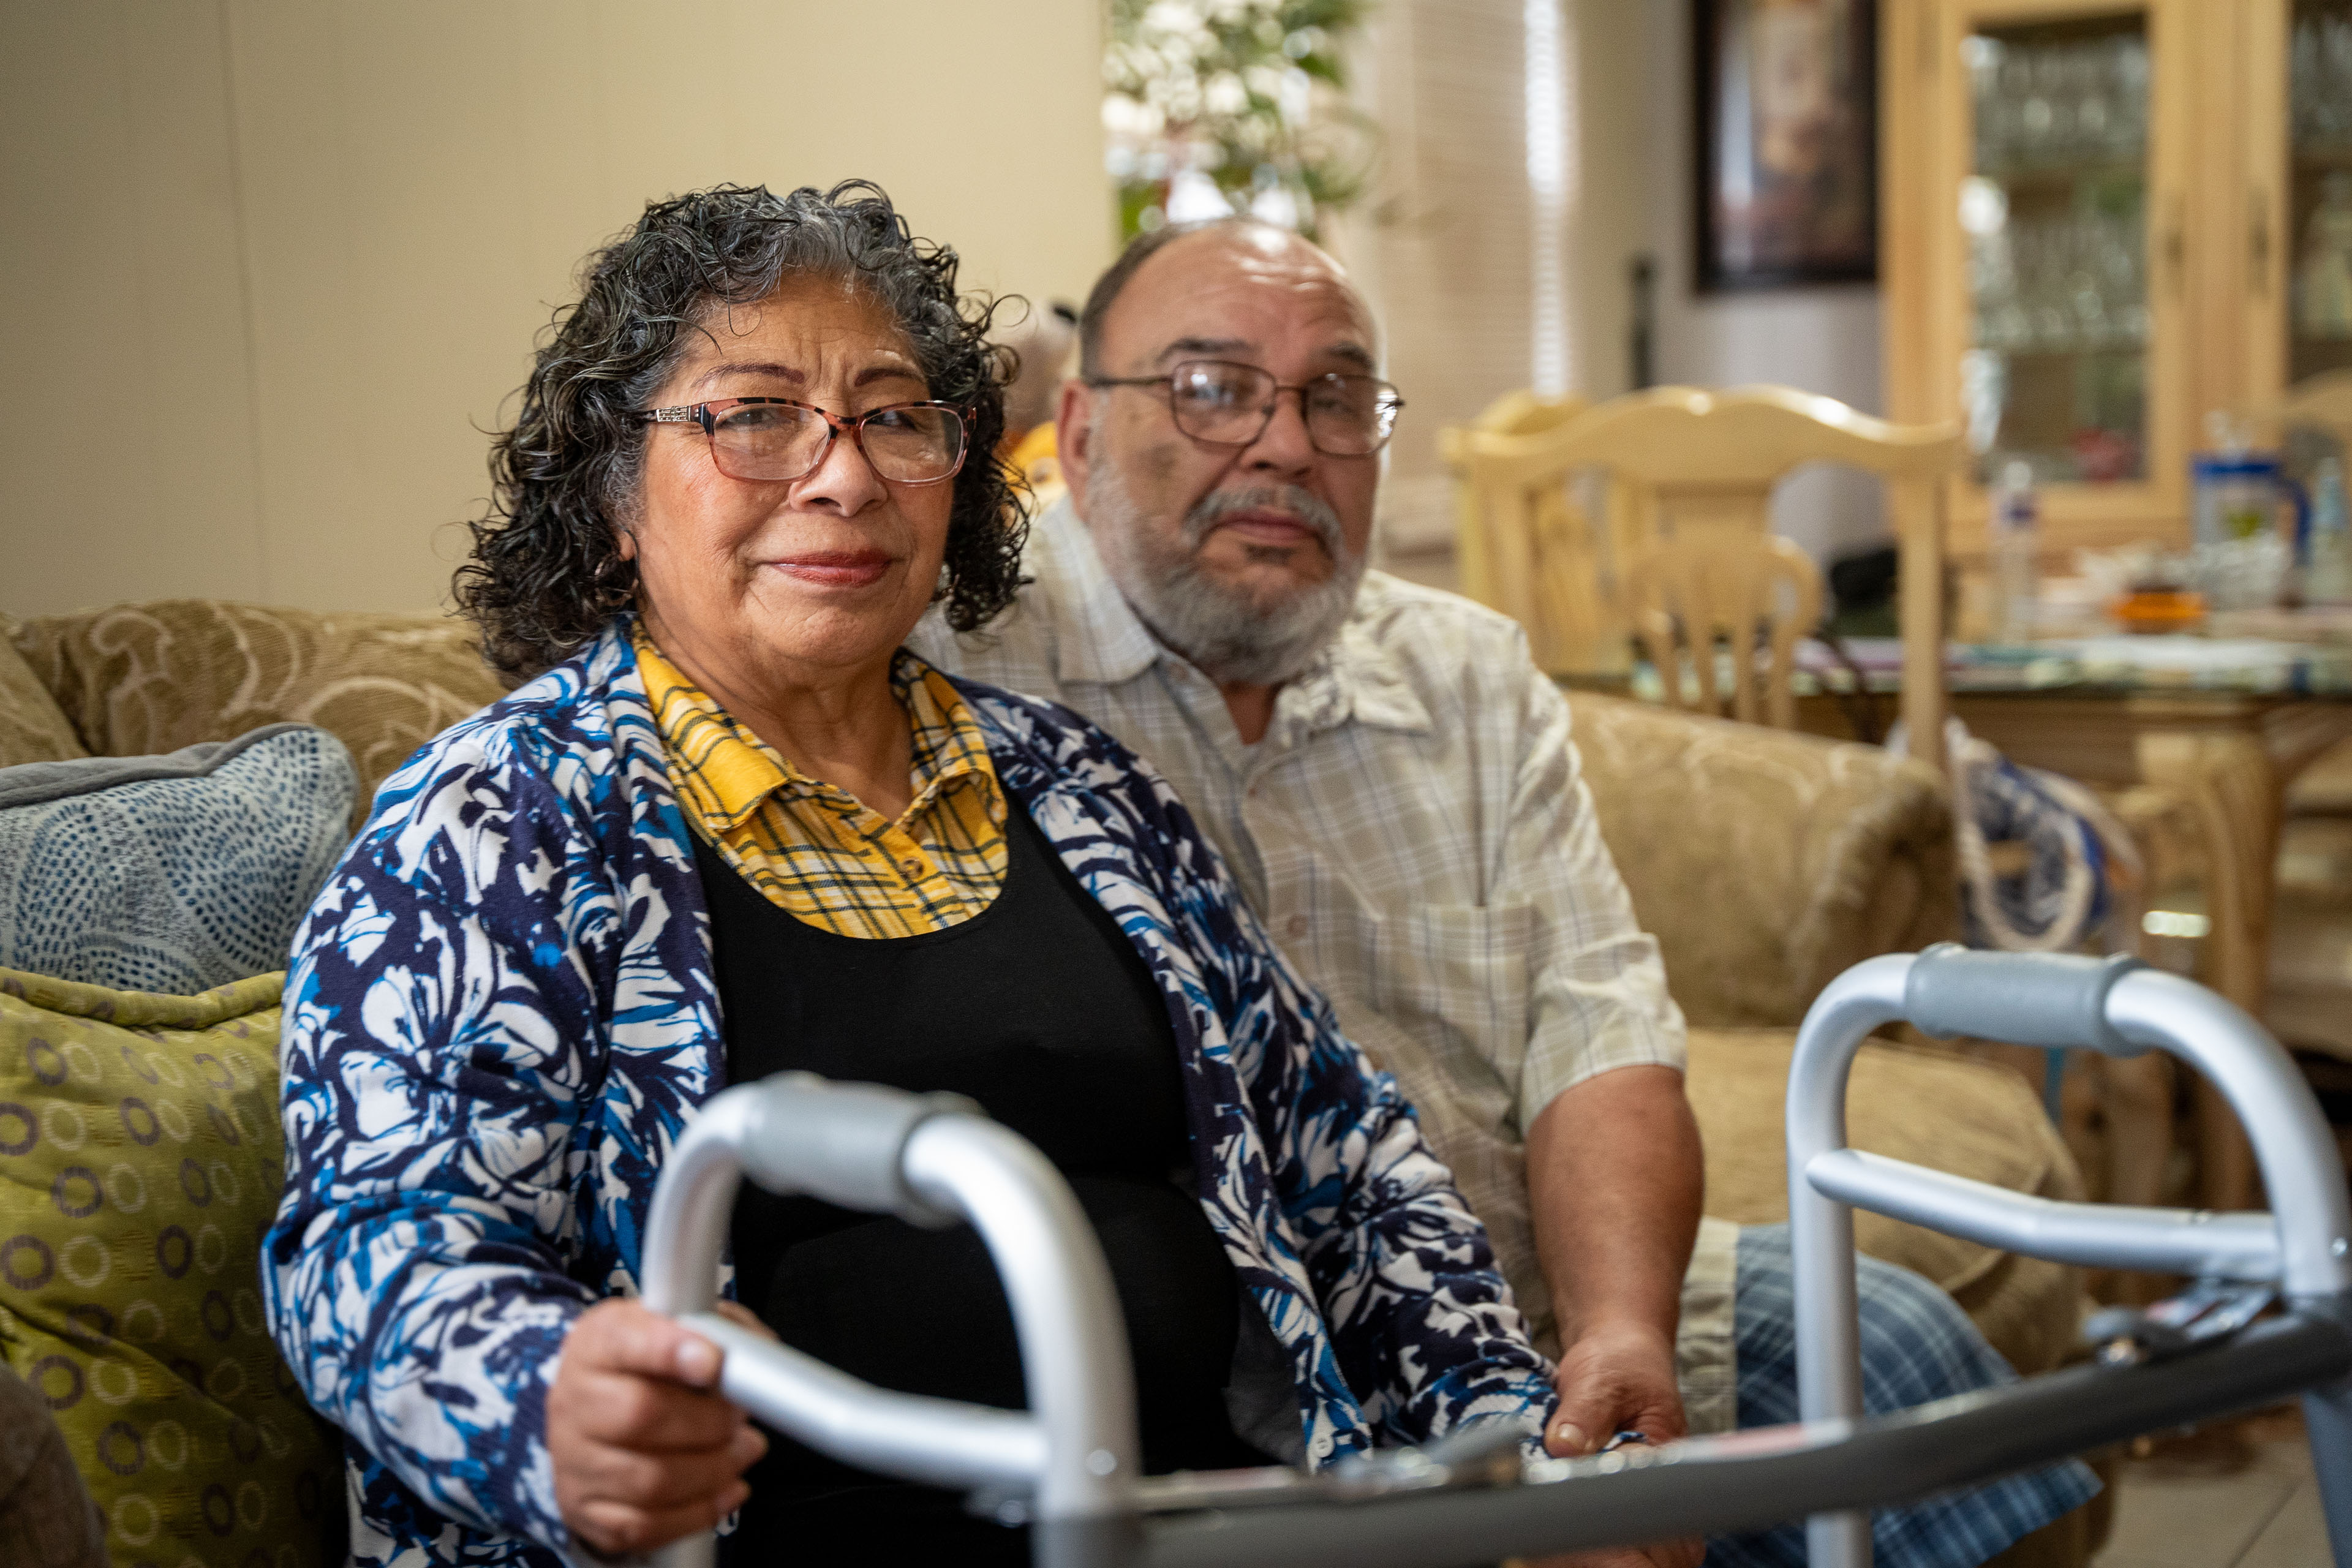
[{"x": 1068, "y": 1468}]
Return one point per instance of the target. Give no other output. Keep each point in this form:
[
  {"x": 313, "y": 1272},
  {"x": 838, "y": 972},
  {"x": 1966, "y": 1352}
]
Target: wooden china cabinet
[{"x": 2104, "y": 219}]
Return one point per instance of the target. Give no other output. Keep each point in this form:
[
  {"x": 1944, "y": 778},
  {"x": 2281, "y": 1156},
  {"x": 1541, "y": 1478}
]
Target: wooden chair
[
  {"x": 1693, "y": 473},
  {"x": 1684, "y": 594},
  {"x": 1526, "y": 543},
  {"x": 2218, "y": 797},
  {"x": 2324, "y": 404}
]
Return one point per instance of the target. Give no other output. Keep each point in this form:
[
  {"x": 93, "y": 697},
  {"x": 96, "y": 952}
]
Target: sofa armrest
[
  {"x": 138, "y": 679},
  {"x": 1766, "y": 863},
  {"x": 33, "y": 728}
]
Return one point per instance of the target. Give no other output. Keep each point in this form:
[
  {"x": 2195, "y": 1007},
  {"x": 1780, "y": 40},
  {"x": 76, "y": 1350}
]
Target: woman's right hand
[{"x": 645, "y": 1448}]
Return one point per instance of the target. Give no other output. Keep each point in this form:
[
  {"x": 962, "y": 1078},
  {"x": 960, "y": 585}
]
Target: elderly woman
[{"x": 736, "y": 828}]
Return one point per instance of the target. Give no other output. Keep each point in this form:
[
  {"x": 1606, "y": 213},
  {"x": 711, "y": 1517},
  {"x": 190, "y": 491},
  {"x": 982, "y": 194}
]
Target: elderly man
[{"x": 1392, "y": 783}]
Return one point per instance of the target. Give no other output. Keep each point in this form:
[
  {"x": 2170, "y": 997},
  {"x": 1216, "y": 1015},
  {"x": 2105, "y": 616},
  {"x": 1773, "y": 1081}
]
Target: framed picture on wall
[{"x": 1787, "y": 141}]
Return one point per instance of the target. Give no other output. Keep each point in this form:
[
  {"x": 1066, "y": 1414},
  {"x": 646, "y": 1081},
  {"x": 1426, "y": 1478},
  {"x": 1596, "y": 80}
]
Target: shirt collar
[
  {"x": 1105, "y": 642},
  {"x": 950, "y": 746},
  {"x": 724, "y": 772},
  {"x": 1356, "y": 677}
]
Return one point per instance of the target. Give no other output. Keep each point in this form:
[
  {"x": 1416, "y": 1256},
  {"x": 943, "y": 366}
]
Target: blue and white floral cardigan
[{"x": 502, "y": 1012}]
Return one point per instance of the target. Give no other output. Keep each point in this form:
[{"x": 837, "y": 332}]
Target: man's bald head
[
  {"x": 1242, "y": 553},
  {"x": 1268, "y": 239}
]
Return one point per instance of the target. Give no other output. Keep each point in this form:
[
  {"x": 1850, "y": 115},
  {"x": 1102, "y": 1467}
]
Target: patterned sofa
[{"x": 1764, "y": 862}]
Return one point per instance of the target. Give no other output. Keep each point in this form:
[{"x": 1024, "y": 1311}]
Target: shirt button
[
  {"x": 912, "y": 868},
  {"x": 1295, "y": 927}
]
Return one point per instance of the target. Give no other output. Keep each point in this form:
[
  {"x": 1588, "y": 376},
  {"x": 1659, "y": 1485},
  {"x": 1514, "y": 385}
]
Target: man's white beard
[{"x": 1232, "y": 636}]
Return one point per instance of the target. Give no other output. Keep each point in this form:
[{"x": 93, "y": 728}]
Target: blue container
[{"x": 2237, "y": 495}]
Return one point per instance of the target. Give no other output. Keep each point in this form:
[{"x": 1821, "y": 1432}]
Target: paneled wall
[
  {"x": 1822, "y": 339},
  {"x": 1443, "y": 247},
  {"x": 1445, "y": 244},
  {"x": 271, "y": 268}
]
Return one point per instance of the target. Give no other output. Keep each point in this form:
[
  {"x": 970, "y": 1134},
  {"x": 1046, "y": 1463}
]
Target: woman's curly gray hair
[{"x": 546, "y": 572}]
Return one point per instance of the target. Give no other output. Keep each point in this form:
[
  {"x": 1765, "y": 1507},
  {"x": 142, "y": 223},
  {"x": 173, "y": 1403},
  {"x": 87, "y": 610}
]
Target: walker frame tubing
[
  {"x": 889, "y": 1153},
  {"x": 1072, "y": 1469},
  {"x": 2115, "y": 1007},
  {"x": 1753, "y": 1480}
]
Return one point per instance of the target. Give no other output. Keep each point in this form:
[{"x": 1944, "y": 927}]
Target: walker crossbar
[
  {"x": 930, "y": 1159},
  {"x": 1753, "y": 1480},
  {"x": 2110, "y": 1005},
  {"x": 2105, "y": 1236},
  {"x": 1070, "y": 1469}
]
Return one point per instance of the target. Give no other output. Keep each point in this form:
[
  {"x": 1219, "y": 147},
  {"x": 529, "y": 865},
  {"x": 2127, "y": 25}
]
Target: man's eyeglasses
[
  {"x": 1230, "y": 404},
  {"x": 775, "y": 438}
]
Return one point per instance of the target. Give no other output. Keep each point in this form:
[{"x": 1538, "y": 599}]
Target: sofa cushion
[
  {"x": 141, "y": 678},
  {"x": 1921, "y": 1104},
  {"x": 175, "y": 873},
  {"x": 33, "y": 728},
  {"x": 141, "y": 1159},
  {"x": 1765, "y": 863}
]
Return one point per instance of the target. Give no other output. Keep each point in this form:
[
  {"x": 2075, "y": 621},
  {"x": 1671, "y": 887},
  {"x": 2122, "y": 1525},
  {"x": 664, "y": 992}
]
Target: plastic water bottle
[
  {"x": 2327, "y": 580},
  {"x": 2016, "y": 540}
]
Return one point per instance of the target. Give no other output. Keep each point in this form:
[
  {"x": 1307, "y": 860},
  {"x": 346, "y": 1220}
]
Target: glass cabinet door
[
  {"x": 2318, "y": 189},
  {"x": 2054, "y": 215},
  {"x": 2038, "y": 270}
]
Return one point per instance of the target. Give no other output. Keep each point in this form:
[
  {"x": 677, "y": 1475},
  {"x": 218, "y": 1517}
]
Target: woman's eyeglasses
[
  {"x": 1230, "y": 404},
  {"x": 776, "y": 439}
]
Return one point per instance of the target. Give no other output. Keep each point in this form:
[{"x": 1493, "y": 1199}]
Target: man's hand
[
  {"x": 1613, "y": 1179},
  {"x": 1619, "y": 1377},
  {"x": 1664, "y": 1554},
  {"x": 646, "y": 1449}
]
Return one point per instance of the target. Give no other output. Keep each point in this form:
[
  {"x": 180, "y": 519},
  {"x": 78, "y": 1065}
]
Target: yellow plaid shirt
[{"x": 817, "y": 851}]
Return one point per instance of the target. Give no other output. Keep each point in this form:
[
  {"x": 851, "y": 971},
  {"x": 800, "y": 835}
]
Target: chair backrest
[
  {"x": 1529, "y": 546},
  {"x": 1698, "y": 469},
  {"x": 1506, "y": 537},
  {"x": 1685, "y": 592}
]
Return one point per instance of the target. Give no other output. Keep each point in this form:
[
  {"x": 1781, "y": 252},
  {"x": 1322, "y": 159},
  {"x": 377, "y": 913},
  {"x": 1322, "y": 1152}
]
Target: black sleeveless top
[{"x": 1041, "y": 1009}]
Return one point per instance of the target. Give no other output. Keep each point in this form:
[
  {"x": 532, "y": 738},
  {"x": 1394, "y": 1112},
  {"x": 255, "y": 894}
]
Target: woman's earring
[{"x": 616, "y": 580}]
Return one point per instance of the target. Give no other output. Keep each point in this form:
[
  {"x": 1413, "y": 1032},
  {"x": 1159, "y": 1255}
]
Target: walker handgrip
[
  {"x": 842, "y": 1143},
  {"x": 2018, "y": 998},
  {"x": 939, "y": 1441}
]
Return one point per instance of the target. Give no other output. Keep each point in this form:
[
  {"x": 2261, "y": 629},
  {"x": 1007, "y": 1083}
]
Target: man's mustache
[{"x": 1214, "y": 507}]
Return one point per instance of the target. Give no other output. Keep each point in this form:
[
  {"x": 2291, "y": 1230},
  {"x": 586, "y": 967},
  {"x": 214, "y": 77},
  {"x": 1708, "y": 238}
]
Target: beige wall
[{"x": 269, "y": 267}]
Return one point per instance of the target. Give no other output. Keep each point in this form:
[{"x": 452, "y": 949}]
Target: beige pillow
[
  {"x": 144, "y": 680},
  {"x": 1931, "y": 1107},
  {"x": 33, "y": 728}
]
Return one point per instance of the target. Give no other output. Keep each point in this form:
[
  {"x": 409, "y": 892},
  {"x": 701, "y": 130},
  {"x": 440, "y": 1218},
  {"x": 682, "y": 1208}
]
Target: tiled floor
[{"x": 2241, "y": 1497}]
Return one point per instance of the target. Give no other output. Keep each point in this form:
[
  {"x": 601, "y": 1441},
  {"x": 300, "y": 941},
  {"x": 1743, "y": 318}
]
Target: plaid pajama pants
[{"x": 1916, "y": 1345}]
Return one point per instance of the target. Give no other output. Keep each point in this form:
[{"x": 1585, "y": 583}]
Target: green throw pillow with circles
[{"x": 139, "y": 1162}]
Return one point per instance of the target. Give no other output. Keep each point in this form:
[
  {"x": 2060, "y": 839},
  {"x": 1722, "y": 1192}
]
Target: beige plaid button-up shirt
[{"x": 1411, "y": 831}]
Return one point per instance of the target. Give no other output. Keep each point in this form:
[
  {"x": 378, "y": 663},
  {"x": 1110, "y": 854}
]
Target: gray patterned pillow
[{"x": 174, "y": 873}]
